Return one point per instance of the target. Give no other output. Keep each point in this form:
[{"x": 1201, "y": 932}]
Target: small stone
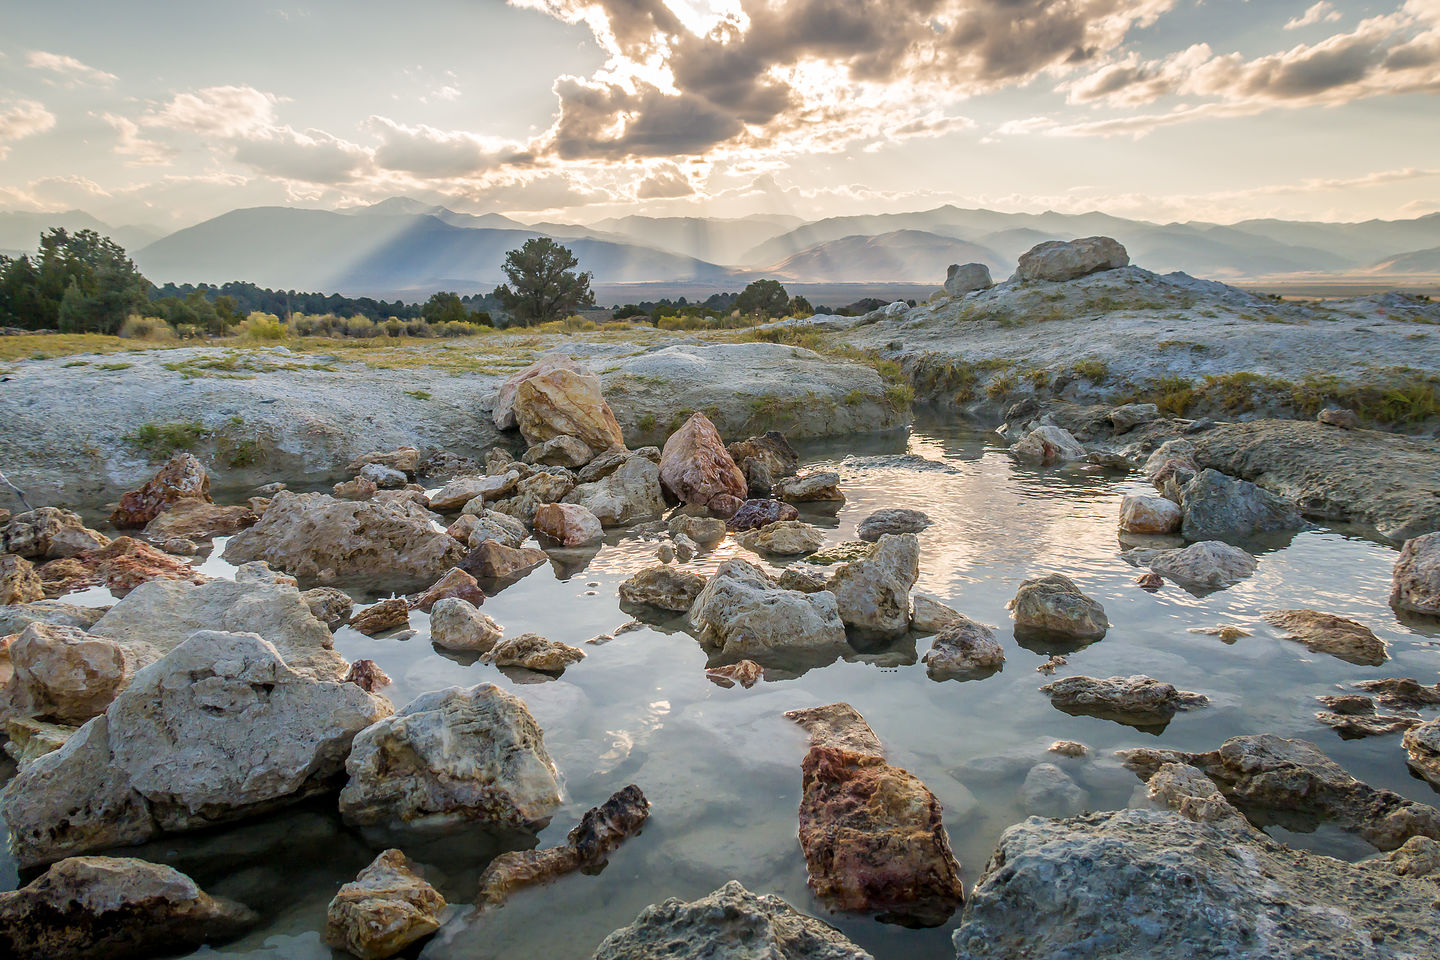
[
  {"x": 663, "y": 587},
  {"x": 1055, "y": 604},
  {"x": 455, "y": 583},
  {"x": 561, "y": 451},
  {"x": 1148, "y": 515},
  {"x": 1046, "y": 445},
  {"x": 705, "y": 531},
  {"x": 665, "y": 553},
  {"x": 1138, "y": 701},
  {"x": 383, "y": 910},
  {"x": 961, "y": 279},
  {"x": 1059, "y": 261},
  {"x": 385, "y": 478},
  {"x": 330, "y": 606},
  {"x": 784, "y": 538},
  {"x": 747, "y": 673},
  {"x": 367, "y": 675},
  {"x": 685, "y": 548},
  {"x": 963, "y": 650},
  {"x": 180, "y": 547},
  {"x": 1049, "y": 791},
  {"x": 534, "y": 652},
  {"x": 568, "y": 524},
  {"x": 801, "y": 581},
  {"x": 456, "y": 624},
  {"x": 381, "y": 617},
  {"x": 1051, "y": 665},
  {"x": 1422, "y": 744},
  {"x": 754, "y": 514},
  {"x": 1151, "y": 581},
  {"x": 492, "y": 560},
  {"x": 1227, "y": 632},
  {"x": 892, "y": 521},
  {"x": 1326, "y": 633},
  {"x": 1339, "y": 417},
  {"x": 1069, "y": 748},
  {"x": 724, "y": 506},
  {"x": 695, "y": 467},
  {"x": 1210, "y": 565},
  {"x": 928, "y": 615},
  {"x": 1415, "y": 585},
  {"x": 818, "y": 486}
]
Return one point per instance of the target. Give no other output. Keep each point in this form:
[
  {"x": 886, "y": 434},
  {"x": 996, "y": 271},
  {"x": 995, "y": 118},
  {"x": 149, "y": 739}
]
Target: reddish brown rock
[
  {"x": 873, "y": 839},
  {"x": 568, "y": 524},
  {"x": 19, "y": 583},
  {"x": 587, "y": 847},
  {"x": 1150, "y": 581},
  {"x": 724, "y": 506},
  {"x": 747, "y": 673},
  {"x": 122, "y": 566},
  {"x": 199, "y": 520},
  {"x": 455, "y": 583},
  {"x": 380, "y": 617},
  {"x": 183, "y": 478},
  {"x": 754, "y": 514},
  {"x": 367, "y": 675},
  {"x": 495, "y": 561},
  {"x": 695, "y": 467}
]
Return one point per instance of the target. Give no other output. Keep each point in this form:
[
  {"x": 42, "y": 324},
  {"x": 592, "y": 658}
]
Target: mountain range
[{"x": 404, "y": 247}]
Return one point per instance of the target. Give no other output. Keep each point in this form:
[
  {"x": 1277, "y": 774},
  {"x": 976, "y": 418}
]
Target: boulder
[
  {"x": 840, "y": 726},
  {"x": 456, "y": 583},
  {"x": 492, "y": 560},
  {"x": 961, "y": 279},
  {"x": 65, "y": 675},
  {"x": 1128, "y": 416},
  {"x": 1060, "y": 260},
  {"x": 873, "y": 593},
  {"x": 382, "y": 617},
  {"x": 49, "y": 533},
  {"x": 460, "y": 754},
  {"x": 928, "y": 615},
  {"x": 1422, "y": 745},
  {"x": 813, "y": 487},
  {"x": 1210, "y": 565},
  {"x": 894, "y": 521},
  {"x": 629, "y": 493},
  {"x": 1047, "y": 444},
  {"x": 533, "y": 492},
  {"x": 742, "y": 615},
  {"x": 456, "y": 624},
  {"x": 730, "y": 924},
  {"x": 771, "y": 450},
  {"x": 114, "y": 908},
  {"x": 199, "y": 520},
  {"x": 706, "y": 531},
  {"x": 382, "y": 911},
  {"x": 754, "y": 514},
  {"x": 1054, "y": 604},
  {"x": 317, "y": 537},
  {"x": 20, "y": 584},
  {"x": 328, "y": 605},
  {"x": 560, "y": 452},
  {"x": 1415, "y": 584},
  {"x": 533, "y": 652},
  {"x": 1137, "y": 701},
  {"x": 664, "y": 588},
  {"x": 384, "y": 478},
  {"x": 217, "y": 730},
  {"x": 565, "y": 403},
  {"x": 963, "y": 650},
  {"x": 1141, "y": 514},
  {"x": 1217, "y": 507},
  {"x": 504, "y": 411},
  {"x": 695, "y": 466},
  {"x": 183, "y": 478},
  {"x": 404, "y": 459},
  {"x": 463, "y": 490},
  {"x": 568, "y": 524},
  {"x": 784, "y": 538},
  {"x": 1326, "y": 633}
]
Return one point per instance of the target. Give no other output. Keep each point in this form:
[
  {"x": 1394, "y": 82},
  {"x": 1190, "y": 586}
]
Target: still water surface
[{"x": 721, "y": 767}]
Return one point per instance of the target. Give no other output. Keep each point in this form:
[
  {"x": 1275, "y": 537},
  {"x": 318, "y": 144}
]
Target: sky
[{"x": 166, "y": 113}]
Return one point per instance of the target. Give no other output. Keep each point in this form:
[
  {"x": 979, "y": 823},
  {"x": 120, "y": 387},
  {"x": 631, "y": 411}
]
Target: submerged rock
[
  {"x": 1062, "y": 260},
  {"x": 744, "y": 616},
  {"x": 783, "y": 538},
  {"x": 1416, "y": 580},
  {"x": 113, "y": 908},
  {"x": 1054, "y": 604},
  {"x": 838, "y": 725},
  {"x": 1211, "y": 565},
  {"x": 534, "y": 652},
  {"x": 1326, "y": 633},
  {"x": 754, "y": 514},
  {"x": 747, "y": 673},
  {"x": 1137, "y": 701},
  {"x": 664, "y": 588},
  {"x": 1422, "y": 744},
  {"x": 873, "y": 593},
  {"x": 963, "y": 649},
  {"x": 460, "y": 754},
  {"x": 695, "y": 467},
  {"x": 1217, "y": 507},
  {"x": 49, "y": 533},
  {"x": 121, "y": 566},
  {"x": 383, "y": 910},
  {"x": 893, "y": 521},
  {"x": 183, "y": 478},
  {"x": 1049, "y": 791},
  {"x": 455, "y": 624},
  {"x": 629, "y": 493}
]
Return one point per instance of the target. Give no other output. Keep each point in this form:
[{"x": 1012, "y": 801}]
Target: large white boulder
[{"x": 1060, "y": 260}]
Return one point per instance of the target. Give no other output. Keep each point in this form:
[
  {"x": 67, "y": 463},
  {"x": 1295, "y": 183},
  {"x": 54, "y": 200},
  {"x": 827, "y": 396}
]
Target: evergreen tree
[
  {"x": 543, "y": 285},
  {"x": 764, "y": 298}
]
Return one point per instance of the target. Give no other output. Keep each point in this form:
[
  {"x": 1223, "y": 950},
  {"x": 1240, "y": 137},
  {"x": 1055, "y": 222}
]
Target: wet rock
[
  {"x": 1149, "y": 515},
  {"x": 1422, "y": 745},
  {"x": 328, "y": 605},
  {"x": 664, "y": 588},
  {"x": 961, "y": 279},
  {"x": 844, "y": 552},
  {"x": 758, "y": 481},
  {"x": 665, "y": 553},
  {"x": 460, "y": 754},
  {"x": 893, "y": 521},
  {"x": 629, "y": 493},
  {"x": 455, "y": 624},
  {"x": 503, "y": 413},
  {"x": 840, "y": 726},
  {"x": 747, "y": 673},
  {"x": 382, "y": 911},
  {"x": 705, "y": 531},
  {"x": 49, "y": 533},
  {"x": 404, "y": 459},
  {"x": 560, "y": 452},
  {"x": 1338, "y": 417},
  {"x": 1143, "y": 884},
  {"x": 1228, "y": 633},
  {"x": 587, "y": 847},
  {"x": 744, "y": 616},
  {"x": 568, "y": 524},
  {"x": 317, "y": 537},
  {"x": 754, "y": 514},
  {"x": 1349, "y": 704},
  {"x": 1415, "y": 584},
  {"x": 1137, "y": 701},
  {"x": 928, "y": 615},
  {"x": 730, "y": 924},
  {"x": 695, "y": 467},
  {"x": 820, "y": 486},
  {"x": 180, "y": 547},
  {"x": 1068, "y": 748},
  {"x": 724, "y": 506},
  {"x": 492, "y": 560},
  {"x": 1054, "y": 604},
  {"x": 1150, "y": 581},
  {"x": 1210, "y": 565},
  {"x": 771, "y": 450},
  {"x": 565, "y": 403},
  {"x": 1049, "y": 791},
  {"x": 1062, "y": 260},
  {"x": 1052, "y": 663},
  {"x": 113, "y": 908},
  {"x": 219, "y": 729},
  {"x": 183, "y": 478},
  {"x": 65, "y": 675},
  {"x": 122, "y": 565},
  {"x": 1047, "y": 444},
  {"x": 873, "y": 839},
  {"x": 18, "y": 581},
  {"x": 382, "y": 617},
  {"x": 384, "y": 478},
  {"x": 784, "y": 538},
  {"x": 607, "y": 463},
  {"x": 534, "y": 652},
  {"x": 1326, "y": 633},
  {"x": 367, "y": 675},
  {"x": 199, "y": 520},
  {"x": 358, "y": 488},
  {"x": 685, "y": 548},
  {"x": 803, "y": 581},
  {"x": 533, "y": 492},
  {"x": 873, "y": 593},
  {"x": 1217, "y": 507},
  {"x": 1353, "y": 727},
  {"x": 1405, "y": 693},
  {"x": 463, "y": 490},
  {"x": 455, "y": 583},
  {"x": 963, "y": 649},
  {"x": 1128, "y": 416}
]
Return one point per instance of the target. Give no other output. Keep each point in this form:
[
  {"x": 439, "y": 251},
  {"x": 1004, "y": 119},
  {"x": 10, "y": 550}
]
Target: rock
[
  {"x": 744, "y": 616},
  {"x": 29, "y": 738},
  {"x": 367, "y": 675},
  {"x": 1139, "y": 514},
  {"x": 359, "y": 488},
  {"x": 685, "y": 548},
  {"x": 317, "y": 537},
  {"x": 1229, "y": 633},
  {"x": 17, "y": 617},
  {"x": 1143, "y": 884},
  {"x": 758, "y": 482},
  {"x": 1048, "y": 791},
  {"x": 1046, "y": 445},
  {"x": 560, "y": 452},
  {"x": 771, "y": 450},
  {"x": 404, "y": 459},
  {"x": 723, "y": 506},
  {"x": 504, "y": 411},
  {"x": 1338, "y": 417},
  {"x": 730, "y": 924},
  {"x": 533, "y": 492},
  {"x": 1052, "y": 663},
  {"x": 1210, "y": 565},
  {"x": 630, "y": 493},
  {"x": 1406, "y": 693},
  {"x": 383, "y": 910},
  {"x": 607, "y": 463},
  {"x": 587, "y": 847},
  {"x": 1294, "y": 779},
  {"x": 1058, "y": 261},
  {"x": 817, "y": 486},
  {"x": 491, "y": 525},
  {"x": 873, "y": 593},
  {"x": 64, "y": 674},
  {"x": 180, "y": 547},
  {"x": 1137, "y": 701},
  {"x": 928, "y": 615},
  {"x": 1352, "y": 727},
  {"x": 962, "y": 650},
  {"x": 1326, "y": 633},
  {"x": 328, "y": 605},
  {"x": 192, "y": 519},
  {"x": 1054, "y": 604},
  {"x": 568, "y": 524},
  {"x": 456, "y": 624},
  {"x": 492, "y": 560},
  {"x": 754, "y": 514},
  {"x": 534, "y": 652},
  {"x": 1150, "y": 581},
  {"x": 961, "y": 279},
  {"x": 18, "y": 581},
  {"x": 1422, "y": 744},
  {"x": 269, "y": 489},
  {"x": 664, "y": 588},
  {"x": 218, "y": 730},
  {"x": 1187, "y": 791},
  {"x": 894, "y": 521},
  {"x": 49, "y": 534},
  {"x": 1068, "y": 748},
  {"x": 384, "y": 478},
  {"x": 564, "y": 403},
  {"x": 840, "y": 726},
  {"x": 873, "y": 839},
  {"x": 1415, "y": 584},
  {"x": 747, "y": 673},
  {"x": 803, "y": 581},
  {"x": 843, "y": 552},
  {"x": 784, "y": 538},
  {"x": 183, "y": 478},
  {"x": 1127, "y": 417},
  {"x": 456, "y": 583},
  {"x": 382, "y": 617},
  {"x": 665, "y": 553},
  {"x": 695, "y": 466},
  {"x": 1217, "y": 507},
  {"x": 705, "y": 531},
  {"x": 463, "y": 490},
  {"x": 121, "y": 566},
  {"x": 114, "y": 908},
  {"x": 460, "y": 754}
]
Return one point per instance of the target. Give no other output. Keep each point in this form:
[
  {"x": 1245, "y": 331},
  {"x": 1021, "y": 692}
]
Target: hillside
[
  {"x": 912, "y": 255},
  {"x": 20, "y": 232}
]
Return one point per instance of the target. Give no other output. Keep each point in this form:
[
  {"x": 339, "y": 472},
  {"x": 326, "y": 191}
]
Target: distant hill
[
  {"x": 901, "y": 255},
  {"x": 1412, "y": 264},
  {"x": 20, "y": 232},
  {"x": 717, "y": 240}
]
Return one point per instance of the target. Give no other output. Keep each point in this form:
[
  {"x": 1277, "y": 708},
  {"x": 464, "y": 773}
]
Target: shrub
[
  {"x": 146, "y": 328},
  {"x": 263, "y": 327}
]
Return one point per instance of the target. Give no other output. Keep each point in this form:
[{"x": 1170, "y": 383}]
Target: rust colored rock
[
  {"x": 838, "y": 725},
  {"x": 380, "y": 617},
  {"x": 747, "y": 673},
  {"x": 873, "y": 840},
  {"x": 495, "y": 561},
  {"x": 1150, "y": 581},
  {"x": 183, "y": 478},
  {"x": 122, "y": 566},
  {"x": 367, "y": 675},
  {"x": 19, "y": 583},
  {"x": 455, "y": 583},
  {"x": 754, "y": 514},
  {"x": 695, "y": 467},
  {"x": 724, "y": 506},
  {"x": 1340, "y": 637},
  {"x": 587, "y": 846},
  {"x": 199, "y": 520}
]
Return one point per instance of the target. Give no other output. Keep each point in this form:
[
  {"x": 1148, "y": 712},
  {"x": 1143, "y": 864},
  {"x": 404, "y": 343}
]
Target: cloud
[
  {"x": 68, "y": 69},
  {"x": 1322, "y": 12},
  {"x": 136, "y": 148},
  {"x": 666, "y": 181},
  {"x": 311, "y": 157},
  {"x": 227, "y": 112},
  {"x": 20, "y": 119},
  {"x": 428, "y": 153}
]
